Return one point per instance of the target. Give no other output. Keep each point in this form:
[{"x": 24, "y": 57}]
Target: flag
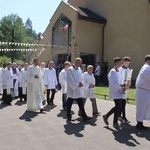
[
  {"x": 65, "y": 27},
  {"x": 41, "y": 36}
]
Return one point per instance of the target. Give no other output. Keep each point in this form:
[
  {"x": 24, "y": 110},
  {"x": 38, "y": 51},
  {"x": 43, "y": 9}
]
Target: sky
[{"x": 39, "y": 11}]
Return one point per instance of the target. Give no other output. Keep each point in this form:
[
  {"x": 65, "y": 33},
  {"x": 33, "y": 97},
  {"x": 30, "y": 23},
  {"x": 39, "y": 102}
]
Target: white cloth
[
  {"x": 50, "y": 78},
  {"x": 63, "y": 81},
  {"x": 97, "y": 70},
  {"x": 34, "y": 100},
  {"x": 7, "y": 82},
  {"x": 143, "y": 94},
  {"x": 42, "y": 84},
  {"x": 74, "y": 77},
  {"x": 88, "y": 79},
  {"x": 115, "y": 90}
]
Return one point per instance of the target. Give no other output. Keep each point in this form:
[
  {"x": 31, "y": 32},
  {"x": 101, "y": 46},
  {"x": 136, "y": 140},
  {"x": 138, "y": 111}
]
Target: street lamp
[{"x": 12, "y": 46}]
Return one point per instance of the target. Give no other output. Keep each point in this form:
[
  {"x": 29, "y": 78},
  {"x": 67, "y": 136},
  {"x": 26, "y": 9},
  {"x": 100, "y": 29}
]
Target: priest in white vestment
[
  {"x": 88, "y": 88},
  {"x": 7, "y": 84},
  {"x": 34, "y": 76},
  {"x": 143, "y": 94},
  {"x": 75, "y": 89}
]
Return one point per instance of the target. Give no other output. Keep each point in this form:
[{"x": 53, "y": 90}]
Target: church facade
[{"x": 99, "y": 30}]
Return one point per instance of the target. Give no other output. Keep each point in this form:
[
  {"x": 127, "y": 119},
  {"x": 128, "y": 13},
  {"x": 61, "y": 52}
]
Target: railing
[{"x": 106, "y": 97}]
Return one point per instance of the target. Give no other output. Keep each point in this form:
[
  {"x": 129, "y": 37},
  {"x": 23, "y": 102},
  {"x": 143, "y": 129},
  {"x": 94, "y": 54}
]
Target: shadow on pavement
[
  {"x": 74, "y": 128},
  {"x": 3, "y": 105},
  {"x": 127, "y": 135},
  {"x": 20, "y": 103},
  {"x": 28, "y": 115},
  {"x": 62, "y": 114}
]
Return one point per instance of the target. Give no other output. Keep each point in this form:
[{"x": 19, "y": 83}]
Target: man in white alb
[
  {"x": 7, "y": 84},
  {"x": 88, "y": 88},
  {"x": 23, "y": 83},
  {"x": 50, "y": 82},
  {"x": 34, "y": 75},
  {"x": 75, "y": 89},
  {"x": 63, "y": 82},
  {"x": 143, "y": 94}
]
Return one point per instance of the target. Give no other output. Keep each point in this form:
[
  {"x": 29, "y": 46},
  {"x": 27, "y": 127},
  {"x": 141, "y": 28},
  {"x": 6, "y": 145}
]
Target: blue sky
[{"x": 39, "y": 11}]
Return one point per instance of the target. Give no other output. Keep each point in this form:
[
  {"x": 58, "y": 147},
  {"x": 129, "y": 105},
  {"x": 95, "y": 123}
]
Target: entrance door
[{"x": 88, "y": 59}]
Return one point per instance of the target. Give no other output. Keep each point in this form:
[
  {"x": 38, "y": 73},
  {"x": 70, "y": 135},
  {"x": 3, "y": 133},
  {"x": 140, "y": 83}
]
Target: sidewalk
[{"x": 22, "y": 130}]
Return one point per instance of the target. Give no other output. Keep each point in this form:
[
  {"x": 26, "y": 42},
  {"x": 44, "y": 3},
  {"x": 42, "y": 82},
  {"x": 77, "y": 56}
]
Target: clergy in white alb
[
  {"x": 7, "y": 84},
  {"x": 143, "y": 94},
  {"x": 34, "y": 76},
  {"x": 75, "y": 89},
  {"x": 16, "y": 73},
  {"x": 50, "y": 82}
]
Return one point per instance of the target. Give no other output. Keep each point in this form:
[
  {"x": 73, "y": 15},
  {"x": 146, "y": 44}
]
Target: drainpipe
[{"x": 103, "y": 33}]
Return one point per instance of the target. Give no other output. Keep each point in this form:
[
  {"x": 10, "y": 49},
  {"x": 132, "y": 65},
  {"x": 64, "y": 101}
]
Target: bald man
[{"x": 74, "y": 79}]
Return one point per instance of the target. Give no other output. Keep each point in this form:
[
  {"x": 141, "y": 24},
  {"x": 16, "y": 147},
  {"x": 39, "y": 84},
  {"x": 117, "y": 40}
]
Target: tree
[
  {"x": 29, "y": 29},
  {"x": 28, "y": 26},
  {"x": 13, "y": 24}
]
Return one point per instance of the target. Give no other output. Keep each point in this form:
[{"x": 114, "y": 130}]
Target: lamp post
[{"x": 12, "y": 47}]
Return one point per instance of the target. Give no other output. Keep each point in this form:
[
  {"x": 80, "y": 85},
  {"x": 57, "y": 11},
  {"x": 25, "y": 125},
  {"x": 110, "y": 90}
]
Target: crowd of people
[{"x": 37, "y": 85}]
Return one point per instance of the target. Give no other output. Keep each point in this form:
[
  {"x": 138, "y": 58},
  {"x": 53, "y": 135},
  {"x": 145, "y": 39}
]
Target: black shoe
[
  {"x": 96, "y": 114},
  {"x": 43, "y": 109},
  {"x": 51, "y": 104},
  {"x": 117, "y": 126},
  {"x": 87, "y": 118},
  {"x": 141, "y": 127},
  {"x": 105, "y": 119}
]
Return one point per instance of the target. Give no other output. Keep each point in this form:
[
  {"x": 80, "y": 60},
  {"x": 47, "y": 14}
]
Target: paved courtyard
[{"x": 22, "y": 130}]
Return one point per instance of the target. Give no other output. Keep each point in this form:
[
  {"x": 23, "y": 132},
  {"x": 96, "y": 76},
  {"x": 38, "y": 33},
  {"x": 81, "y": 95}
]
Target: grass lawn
[{"x": 102, "y": 93}]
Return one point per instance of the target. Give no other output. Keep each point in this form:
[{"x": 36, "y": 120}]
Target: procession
[
  {"x": 37, "y": 85},
  {"x": 75, "y": 75}
]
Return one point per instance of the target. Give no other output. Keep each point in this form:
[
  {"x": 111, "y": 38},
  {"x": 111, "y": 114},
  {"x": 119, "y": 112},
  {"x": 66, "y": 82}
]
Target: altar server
[
  {"x": 115, "y": 92},
  {"x": 23, "y": 83},
  {"x": 16, "y": 73},
  {"x": 88, "y": 88},
  {"x": 7, "y": 84},
  {"x": 126, "y": 81},
  {"x": 43, "y": 93},
  {"x": 50, "y": 82},
  {"x": 63, "y": 82}
]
